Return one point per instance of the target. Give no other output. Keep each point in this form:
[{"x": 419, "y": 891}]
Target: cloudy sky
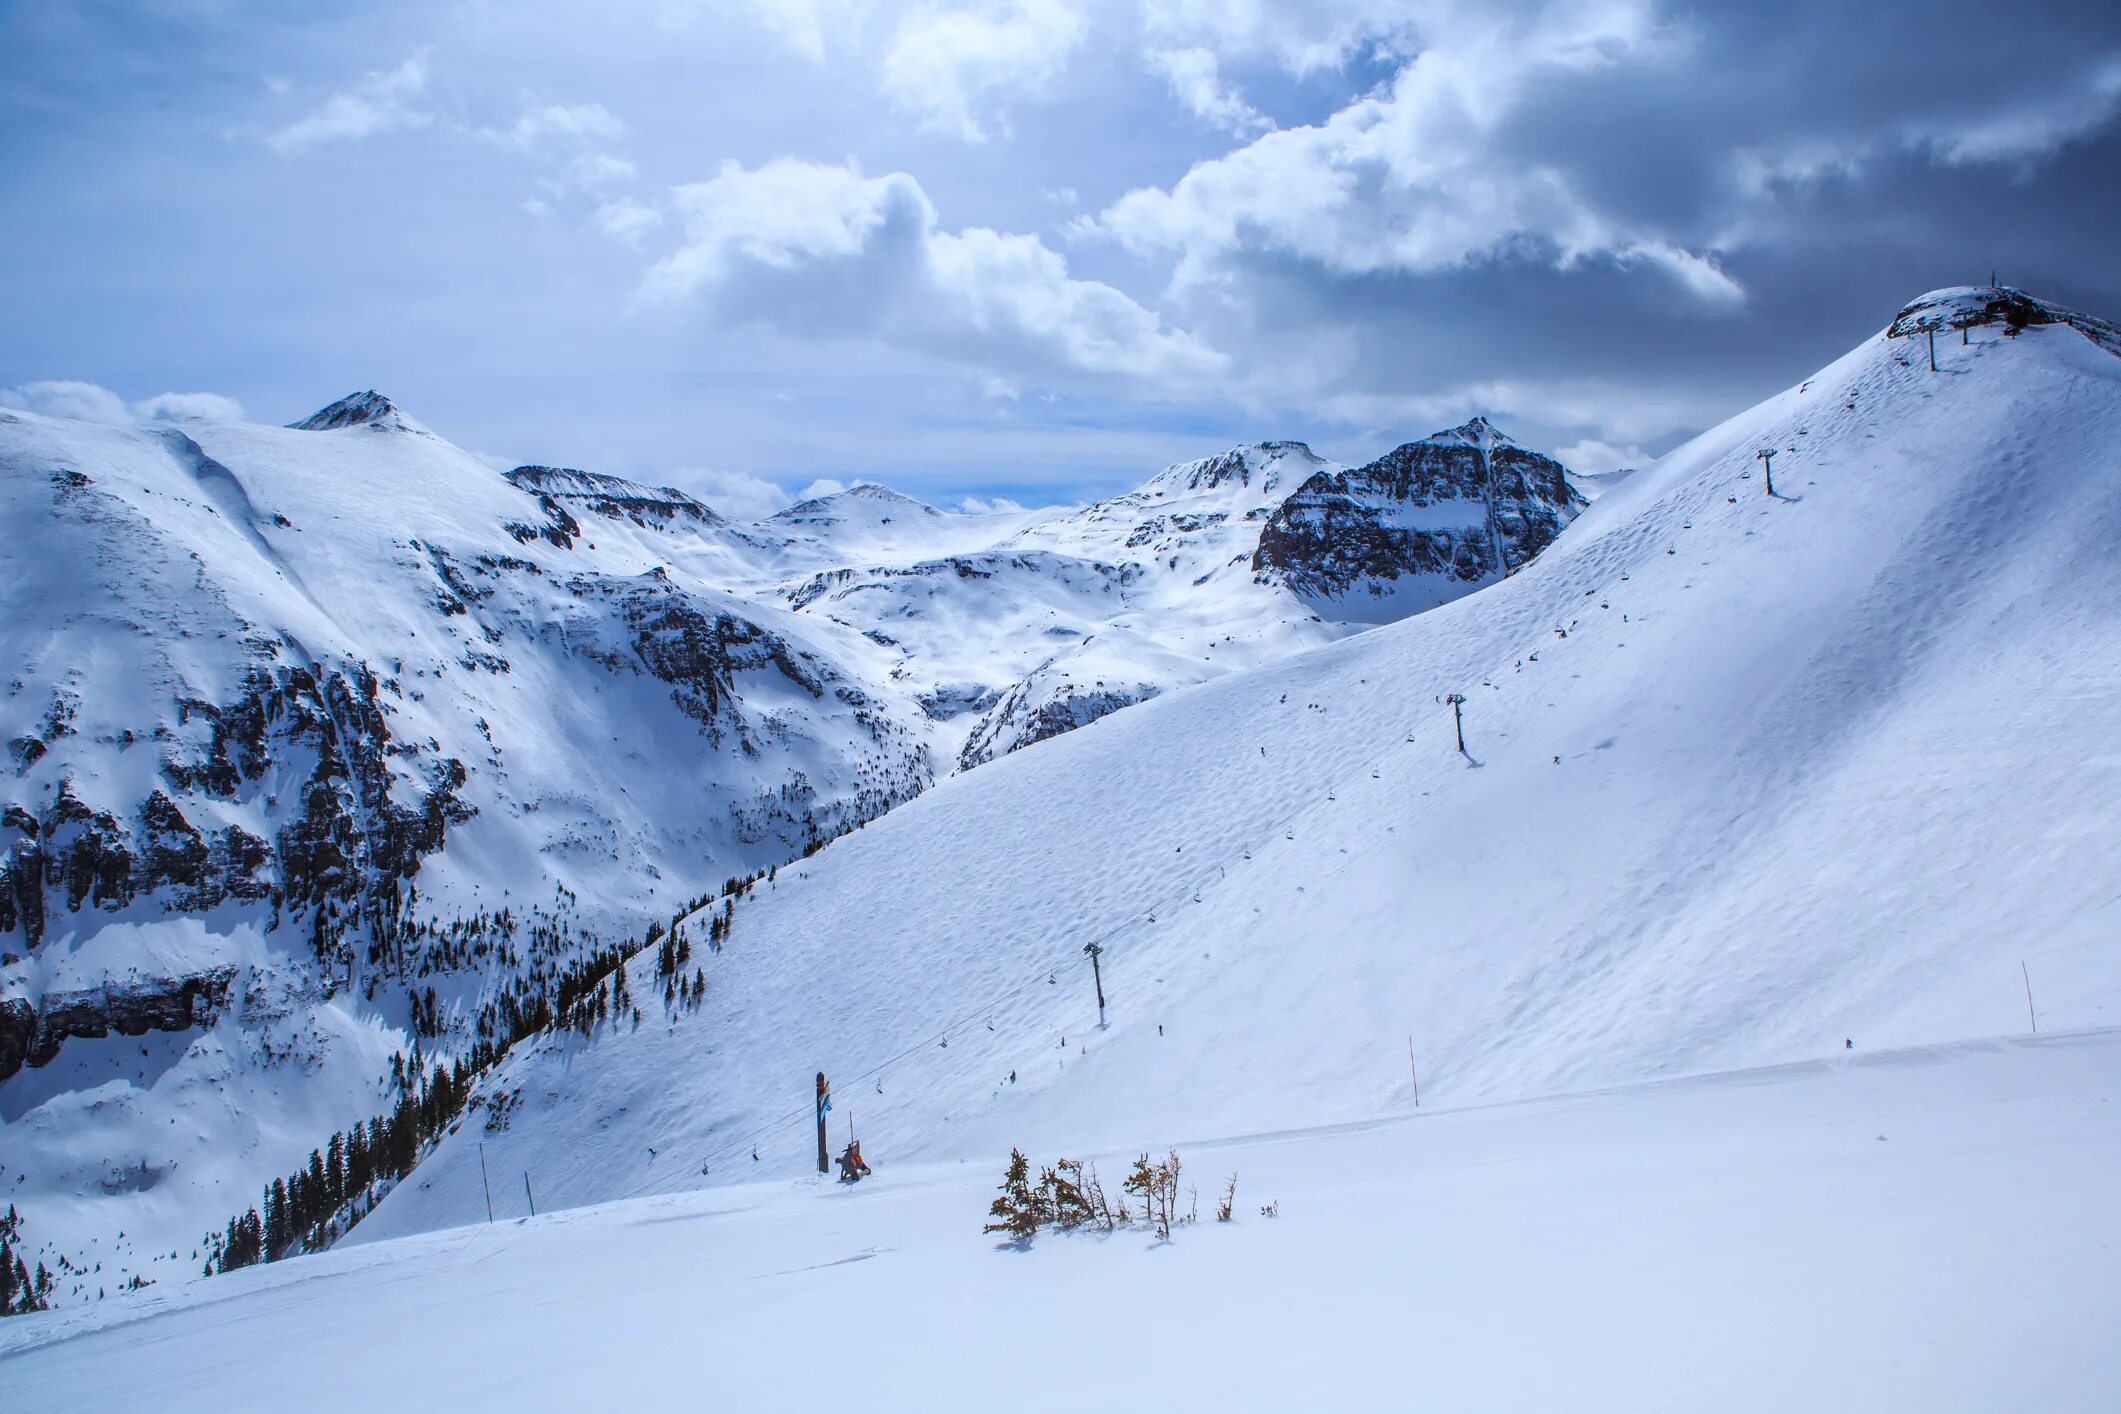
[{"x": 1021, "y": 248}]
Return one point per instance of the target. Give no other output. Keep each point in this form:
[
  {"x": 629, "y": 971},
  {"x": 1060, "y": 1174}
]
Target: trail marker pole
[
  {"x": 1097, "y": 975},
  {"x": 1767, "y": 462},
  {"x": 1416, "y": 1074},
  {"x": 528, "y": 1194},
  {"x": 2030, "y": 1014},
  {"x": 483, "y": 1183},
  {"x": 824, "y": 1103}
]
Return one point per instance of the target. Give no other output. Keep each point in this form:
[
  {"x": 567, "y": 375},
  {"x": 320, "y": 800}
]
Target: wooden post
[
  {"x": 2030, "y": 1014},
  {"x": 528, "y": 1194},
  {"x": 483, "y": 1183},
  {"x": 1416, "y": 1074},
  {"x": 824, "y": 1103},
  {"x": 1097, "y": 975}
]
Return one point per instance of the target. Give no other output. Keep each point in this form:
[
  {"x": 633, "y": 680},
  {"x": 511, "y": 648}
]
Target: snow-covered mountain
[
  {"x": 1746, "y": 779},
  {"x": 325, "y": 742},
  {"x": 328, "y": 744}
]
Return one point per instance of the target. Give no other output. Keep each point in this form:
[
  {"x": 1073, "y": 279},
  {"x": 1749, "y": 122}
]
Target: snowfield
[{"x": 1929, "y": 1229}]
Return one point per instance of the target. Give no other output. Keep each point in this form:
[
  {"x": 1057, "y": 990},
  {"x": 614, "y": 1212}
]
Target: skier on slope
[{"x": 852, "y": 1167}]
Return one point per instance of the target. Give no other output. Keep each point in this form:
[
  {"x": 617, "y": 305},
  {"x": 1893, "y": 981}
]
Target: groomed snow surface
[{"x": 1920, "y": 1230}]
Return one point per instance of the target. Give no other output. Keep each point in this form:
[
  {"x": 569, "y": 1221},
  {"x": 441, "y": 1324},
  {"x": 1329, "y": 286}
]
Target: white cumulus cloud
[
  {"x": 383, "y": 101},
  {"x": 1417, "y": 178},
  {"x": 627, "y": 220},
  {"x": 736, "y": 494},
  {"x": 824, "y": 249},
  {"x": 1595, "y": 458},
  {"x": 1196, "y": 81},
  {"x": 92, "y": 402},
  {"x": 577, "y": 122},
  {"x": 952, "y": 66}
]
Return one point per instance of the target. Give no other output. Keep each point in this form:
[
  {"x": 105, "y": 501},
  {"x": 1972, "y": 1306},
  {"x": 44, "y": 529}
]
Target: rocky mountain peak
[
  {"x": 1267, "y": 463},
  {"x": 1477, "y": 432},
  {"x": 364, "y": 409},
  {"x": 1425, "y": 523}
]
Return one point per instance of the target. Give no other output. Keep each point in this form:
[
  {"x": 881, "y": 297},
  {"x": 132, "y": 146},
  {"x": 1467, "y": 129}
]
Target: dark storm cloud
[{"x": 1830, "y": 164}]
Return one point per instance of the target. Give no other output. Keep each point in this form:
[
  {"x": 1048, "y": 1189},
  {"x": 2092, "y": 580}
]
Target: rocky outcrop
[
  {"x": 1038, "y": 708},
  {"x": 1979, "y": 306},
  {"x": 694, "y": 647},
  {"x": 1423, "y": 524},
  {"x": 650, "y": 507},
  {"x": 34, "y": 1034},
  {"x": 18, "y": 1027},
  {"x": 347, "y": 840}
]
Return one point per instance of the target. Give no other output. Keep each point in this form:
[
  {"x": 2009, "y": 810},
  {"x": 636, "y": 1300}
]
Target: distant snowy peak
[
  {"x": 1959, "y": 307},
  {"x": 653, "y": 507},
  {"x": 866, "y": 504},
  {"x": 365, "y": 409},
  {"x": 1264, "y": 466},
  {"x": 1425, "y": 523},
  {"x": 1478, "y": 433}
]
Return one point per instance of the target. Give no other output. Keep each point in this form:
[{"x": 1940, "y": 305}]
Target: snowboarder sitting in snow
[{"x": 852, "y": 1169}]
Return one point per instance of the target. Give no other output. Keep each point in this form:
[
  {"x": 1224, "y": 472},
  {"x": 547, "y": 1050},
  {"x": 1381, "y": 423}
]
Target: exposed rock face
[
  {"x": 697, "y": 649},
  {"x": 651, "y": 507},
  {"x": 347, "y": 838},
  {"x": 1042, "y": 706},
  {"x": 134, "y": 1009},
  {"x": 1421, "y": 525},
  {"x": 18, "y": 1027}
]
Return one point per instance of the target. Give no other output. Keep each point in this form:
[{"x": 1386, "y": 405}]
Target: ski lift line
[
  {"x": 995, "y": 1003},
  {"x": 1044, "y": 975}
]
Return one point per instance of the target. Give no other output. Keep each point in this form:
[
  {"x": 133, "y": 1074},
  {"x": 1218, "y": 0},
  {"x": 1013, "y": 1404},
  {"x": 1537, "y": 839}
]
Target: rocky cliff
[{"x": 1423, "y": 524}]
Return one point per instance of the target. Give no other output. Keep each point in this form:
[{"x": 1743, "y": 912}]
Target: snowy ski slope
[
  {"x": 1744, "y": 778},
  {"x": 1922, "y": 1230}
]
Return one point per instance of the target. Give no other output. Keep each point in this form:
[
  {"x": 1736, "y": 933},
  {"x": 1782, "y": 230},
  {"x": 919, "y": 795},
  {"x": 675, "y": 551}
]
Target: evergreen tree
[{"x": 1017, "y": 1210}]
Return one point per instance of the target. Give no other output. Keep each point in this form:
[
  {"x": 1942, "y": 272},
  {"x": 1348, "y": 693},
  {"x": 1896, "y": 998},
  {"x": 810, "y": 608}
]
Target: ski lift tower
[{"x": 1097, "y": 973}]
